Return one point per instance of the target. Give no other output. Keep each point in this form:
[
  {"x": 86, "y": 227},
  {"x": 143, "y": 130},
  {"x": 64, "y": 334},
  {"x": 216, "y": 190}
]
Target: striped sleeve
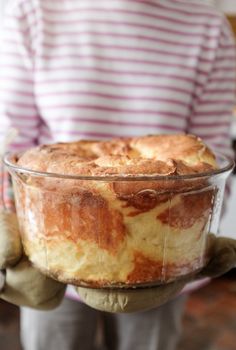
[
  {"x": 214, "y": 102},
  {"x": 17, "y": 107}
]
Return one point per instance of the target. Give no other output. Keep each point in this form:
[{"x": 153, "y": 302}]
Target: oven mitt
[
  {"x": 10, "y": 241},
  {"x": 222, "y": 251},
  {"x": 20, "y": 283},
  {"x": 129, "y": 300}
]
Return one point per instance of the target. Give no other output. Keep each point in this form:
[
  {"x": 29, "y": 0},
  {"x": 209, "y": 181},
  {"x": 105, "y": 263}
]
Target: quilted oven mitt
[
  {"x": 223, "y": 259},
  {"x": 20, "y": 283}
]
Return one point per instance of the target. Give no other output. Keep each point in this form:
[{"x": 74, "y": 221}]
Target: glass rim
[{"x": 7, "y": 160}]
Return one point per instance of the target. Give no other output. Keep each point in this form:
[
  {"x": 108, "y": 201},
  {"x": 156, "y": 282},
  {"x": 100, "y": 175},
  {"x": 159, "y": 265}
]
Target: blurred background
[
  {"x": 228, "y": 225},
  {"x": 209, "y": 321}
]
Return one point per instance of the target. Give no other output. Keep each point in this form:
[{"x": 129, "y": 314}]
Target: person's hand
[
  {"x": 21, "y": 283},
  {"x": 223, "y": 258}
]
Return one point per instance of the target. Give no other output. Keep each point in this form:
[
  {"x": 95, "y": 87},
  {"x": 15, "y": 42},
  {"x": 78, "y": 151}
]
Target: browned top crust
[{"x": 149, "y": 155}]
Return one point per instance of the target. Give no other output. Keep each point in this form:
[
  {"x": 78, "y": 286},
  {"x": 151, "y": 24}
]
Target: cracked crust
[
  {"x": 155, "y": 154},
  {"x": 102, "y": 233}
]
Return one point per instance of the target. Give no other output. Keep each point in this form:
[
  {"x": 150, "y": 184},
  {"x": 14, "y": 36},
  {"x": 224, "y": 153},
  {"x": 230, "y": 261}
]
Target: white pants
[{"x": 73, "y": 326}]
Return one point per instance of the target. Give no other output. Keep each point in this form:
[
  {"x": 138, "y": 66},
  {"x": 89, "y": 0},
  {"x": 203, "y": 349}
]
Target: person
[{"x": 82, "y": 69}]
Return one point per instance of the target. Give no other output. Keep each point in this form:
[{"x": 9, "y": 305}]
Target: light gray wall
[
  {"x": 228, "y": 6},
  {"x": 2, "y": 7}
]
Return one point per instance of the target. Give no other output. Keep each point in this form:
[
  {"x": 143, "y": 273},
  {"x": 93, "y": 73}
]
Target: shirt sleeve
[
  {"x": 214, "y": 100},
  {"x": 17, "y": 103},
  {"x": 212, "y": 113}
]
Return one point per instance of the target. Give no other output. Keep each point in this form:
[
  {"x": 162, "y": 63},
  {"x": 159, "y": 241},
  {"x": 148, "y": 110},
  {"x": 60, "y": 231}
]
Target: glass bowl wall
[{"x": 118, "y": 231}]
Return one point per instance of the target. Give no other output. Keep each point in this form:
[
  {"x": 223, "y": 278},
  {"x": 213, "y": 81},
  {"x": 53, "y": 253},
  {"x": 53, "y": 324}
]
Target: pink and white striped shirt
[{"x": 74, "y": 69}]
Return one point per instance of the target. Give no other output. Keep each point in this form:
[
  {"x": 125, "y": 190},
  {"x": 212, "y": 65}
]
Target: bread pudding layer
[{"x": 117, "y": 232}]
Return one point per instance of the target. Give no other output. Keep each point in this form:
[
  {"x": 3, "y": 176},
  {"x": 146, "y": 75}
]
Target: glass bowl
[{"x": 118, "y": 231}]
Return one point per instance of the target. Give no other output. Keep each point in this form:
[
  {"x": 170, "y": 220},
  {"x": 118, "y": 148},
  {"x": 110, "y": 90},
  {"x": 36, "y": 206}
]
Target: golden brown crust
[
  {"x": 188, "y": 148},
  {"x": 117, "y": 232},
  {"x": 197, "y": 206},
  {"x": 149, "y": 155},
  {"x": 91, "y": 205},
  {"x": 146, "y": 273}
]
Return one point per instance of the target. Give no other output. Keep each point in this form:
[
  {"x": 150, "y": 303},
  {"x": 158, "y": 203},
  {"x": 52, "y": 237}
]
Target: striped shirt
[
  {"x": 73, "y": 69},
  {"x": 98, "y": 69}
]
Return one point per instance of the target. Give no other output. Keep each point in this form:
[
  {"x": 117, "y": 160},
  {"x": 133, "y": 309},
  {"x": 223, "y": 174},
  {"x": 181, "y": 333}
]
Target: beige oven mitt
[
  {"x": 223, "y": 259},
  {"x": 20, "y": 283}
]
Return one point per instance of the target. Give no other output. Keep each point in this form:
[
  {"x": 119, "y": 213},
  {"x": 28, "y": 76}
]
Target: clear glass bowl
[{"x": 118, "y": 231}]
